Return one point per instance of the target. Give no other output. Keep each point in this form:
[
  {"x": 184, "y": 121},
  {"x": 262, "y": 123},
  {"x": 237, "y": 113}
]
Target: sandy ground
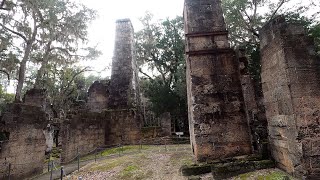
[
  {"x": 158, "y": 164},
  {"x": 146, "y": 165}
]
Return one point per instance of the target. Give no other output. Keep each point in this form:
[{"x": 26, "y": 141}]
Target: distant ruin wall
[
  {"x": 122, "y": 127},
  {"x": 254, "y": 107},
  {"x": 98, "y": 96},
  {"x": 291, "y": 84},
  {"x": 82, "y": 133},
  {"x": 218, "y": 125},
  {"x": 25, "y": 146}
]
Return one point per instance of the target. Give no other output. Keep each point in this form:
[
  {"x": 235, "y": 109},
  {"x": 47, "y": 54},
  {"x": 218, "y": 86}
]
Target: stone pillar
[
  {"x": 291, "y": 84},
  {"x": 217, "y": 122},
  {"x": 124, "y": 76}
]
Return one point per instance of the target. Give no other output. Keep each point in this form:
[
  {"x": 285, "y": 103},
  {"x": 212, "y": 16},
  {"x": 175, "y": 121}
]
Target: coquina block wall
[
  {"x": 82, "y": 133},
  {"x": 217, "y": 121},
  {"x": 25, "y": 144},
  {"x": 291, "y": 87}
]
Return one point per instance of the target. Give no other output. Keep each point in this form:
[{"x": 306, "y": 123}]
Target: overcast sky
[{"x": 102, "y": 30}]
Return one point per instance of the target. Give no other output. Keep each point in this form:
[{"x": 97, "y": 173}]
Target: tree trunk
[{"x": 22, "y": 71}]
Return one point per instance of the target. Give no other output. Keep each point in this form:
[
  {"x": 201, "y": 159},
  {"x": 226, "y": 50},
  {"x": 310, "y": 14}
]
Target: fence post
[
  {"x": 51, "y": 170},
  {"x": 9, "y": 174},
  {"x": 95, "y": 155},
  {"x": 49, "y": 164},
  {"x": 119, "y": 150},
  {"x": 78, "y": 158},
  {"x": 78, "y": 162},
  {"x": 165, "y": 144},
  {"x": 61, "y": 173},
  {"x": 122, "y": 149}
]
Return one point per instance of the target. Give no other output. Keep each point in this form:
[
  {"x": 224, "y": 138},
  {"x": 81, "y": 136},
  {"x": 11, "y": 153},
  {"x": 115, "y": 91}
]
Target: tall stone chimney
[
  {"x": 217, "y": 122},
  {"x": 124, "y": 93}
]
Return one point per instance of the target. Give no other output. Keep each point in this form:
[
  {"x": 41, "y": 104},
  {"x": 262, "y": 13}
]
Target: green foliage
[
  {"x": 48, "y": 33},
  {"x": 315, "y": 33},
  {"x": 5, "y": 99},
  {"x": 160, "y": 55},
  {"x": 244, "y": 18}
]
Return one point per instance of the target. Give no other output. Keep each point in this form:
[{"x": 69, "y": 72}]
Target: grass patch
[
  {"x": 274, "y": 176},
  {"x": 245, "y": 176},
  {"x": 181, "y": 159},
  {"x": 113, "y": 151},
  {"x": 105, "y": 167}
]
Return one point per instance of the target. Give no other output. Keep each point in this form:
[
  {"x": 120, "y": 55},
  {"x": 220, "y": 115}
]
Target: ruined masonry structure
[
  {"x": 254, "y": 107},
  {"x": 218, "y": 126},
  {"x": 124, "y": 92},
  {"x": 291, "y": 84},
  {"x": 25, "y": 144}
]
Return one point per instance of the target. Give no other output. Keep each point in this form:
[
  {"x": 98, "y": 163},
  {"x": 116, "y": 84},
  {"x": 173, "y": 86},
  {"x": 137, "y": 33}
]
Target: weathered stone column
[
  {"x": 124, "y": 77},
  {"x": 218, "y": 126},
  {"x": 291, "y": 87}
]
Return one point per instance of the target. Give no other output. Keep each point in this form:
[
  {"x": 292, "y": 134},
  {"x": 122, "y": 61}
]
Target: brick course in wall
[{"x": 291, "y": 83}]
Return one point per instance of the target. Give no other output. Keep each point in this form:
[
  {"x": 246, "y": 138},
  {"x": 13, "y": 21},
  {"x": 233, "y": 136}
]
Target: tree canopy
[
  {"x": 160, "y": 55},
  {"x": 46, "y": 34}
]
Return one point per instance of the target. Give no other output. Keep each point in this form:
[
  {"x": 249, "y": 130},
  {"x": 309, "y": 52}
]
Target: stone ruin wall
[
  {"x": 82, "y": 132},
  {"x": 25, "y": 149},
  {"x": 218, "y": 125},
  {"x": 254, "y": 107},
  {"x": 98, "y": 94},
  {"x": 291, "y": 83},
  {"x": 122, "y": 127}
]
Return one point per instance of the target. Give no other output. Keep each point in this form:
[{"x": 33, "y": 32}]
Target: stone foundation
[{"x": 291, "y": 83}]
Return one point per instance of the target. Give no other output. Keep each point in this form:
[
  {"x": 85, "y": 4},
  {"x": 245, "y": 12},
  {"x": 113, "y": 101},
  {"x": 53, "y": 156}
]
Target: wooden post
[
  {"x": 9, "y": 174},
  {"x": 51, "y": 170},
  {"x": 61, "y": 173}
]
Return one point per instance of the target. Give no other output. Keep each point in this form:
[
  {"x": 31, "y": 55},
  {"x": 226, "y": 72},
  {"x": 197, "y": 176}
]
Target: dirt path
[{"x": 146, "y": 165}]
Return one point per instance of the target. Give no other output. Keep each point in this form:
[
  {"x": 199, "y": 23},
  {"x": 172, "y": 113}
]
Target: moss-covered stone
[{"x": 195, "y": 170}]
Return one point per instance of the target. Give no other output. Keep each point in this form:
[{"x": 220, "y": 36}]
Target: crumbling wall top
[
  {"x": 279, "y": 27},
  {"x": 207, "y": 16}
]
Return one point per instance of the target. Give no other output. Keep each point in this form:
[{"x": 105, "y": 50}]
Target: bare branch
[
  {"x": 149, "y": 77},
  {"x": 14, "y": 32},
  {"x": 73, "y": 78},
  {"x": 2, "y": 3},
  {"x": 276, "y": 11},
  {"x": 66, "y": 52},
  {"x": 249, "y": 28},
  {"x": 5, "y": 72},
  {"x": 2, "y": 6}
]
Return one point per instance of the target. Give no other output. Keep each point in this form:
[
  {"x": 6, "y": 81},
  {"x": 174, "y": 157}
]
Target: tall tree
[
  {"x": 43, "y": 27},
  {"x": 160, "y": 55},
  {"x": 244, "y": 18}
]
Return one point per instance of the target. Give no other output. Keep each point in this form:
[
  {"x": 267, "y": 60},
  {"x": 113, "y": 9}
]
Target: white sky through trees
[{"x": 102, "y": 30}]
